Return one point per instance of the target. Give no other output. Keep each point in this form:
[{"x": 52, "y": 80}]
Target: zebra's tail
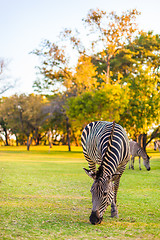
[
  {"x": 100, "y": 169},
  {"x": 111, "y": 136},
  {"x": 110, "y": 139}
]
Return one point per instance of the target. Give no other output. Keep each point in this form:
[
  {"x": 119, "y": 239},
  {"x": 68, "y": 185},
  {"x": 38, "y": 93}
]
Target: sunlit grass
[{"x": 45, "y": 194}]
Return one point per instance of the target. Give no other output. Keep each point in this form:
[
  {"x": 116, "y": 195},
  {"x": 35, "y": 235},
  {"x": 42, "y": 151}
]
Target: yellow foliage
[{"x": 85, "y": 76}]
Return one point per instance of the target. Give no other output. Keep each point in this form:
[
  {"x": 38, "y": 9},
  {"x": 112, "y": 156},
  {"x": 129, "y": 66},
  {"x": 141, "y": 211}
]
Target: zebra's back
[
  {"x": 136, "y": 150},
  {"x": 95, "y": 139}
]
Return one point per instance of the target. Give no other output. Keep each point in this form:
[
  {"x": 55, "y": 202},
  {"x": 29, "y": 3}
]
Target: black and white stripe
[
  {"x": 137, "y": 151},
  {"x": 105, "y": 144}
]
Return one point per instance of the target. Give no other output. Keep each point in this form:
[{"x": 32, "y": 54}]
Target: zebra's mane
[
  {"x": 100, "y": 169},
  {"x": 111, "y": 137}
]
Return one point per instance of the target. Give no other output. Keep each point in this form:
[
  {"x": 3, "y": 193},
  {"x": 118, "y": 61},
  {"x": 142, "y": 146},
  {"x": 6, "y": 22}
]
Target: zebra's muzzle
[{"x": 95, "y": 218}]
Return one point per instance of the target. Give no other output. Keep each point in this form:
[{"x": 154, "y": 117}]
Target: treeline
[
  {"x": 116, "y": 77},
  {"x": 32, "y": 119}
]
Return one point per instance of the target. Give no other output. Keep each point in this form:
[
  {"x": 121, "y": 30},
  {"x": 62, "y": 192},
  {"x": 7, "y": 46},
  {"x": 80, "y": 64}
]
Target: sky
[{"x": 25, "y": 24}]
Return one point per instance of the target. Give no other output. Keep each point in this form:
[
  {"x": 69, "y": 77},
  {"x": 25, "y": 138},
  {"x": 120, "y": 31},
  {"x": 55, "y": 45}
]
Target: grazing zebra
[
  {"x": 105, "y": 144},
  {"x": 157, "y": 145},
  {"x": 136, "y": 150}
]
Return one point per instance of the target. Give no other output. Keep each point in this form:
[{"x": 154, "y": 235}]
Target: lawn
[{"x": 45, "y": 194}]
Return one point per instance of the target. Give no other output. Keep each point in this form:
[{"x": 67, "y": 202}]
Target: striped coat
[
  {"x": 137, "y": 151},
  {"x": 105, "y": 144}
]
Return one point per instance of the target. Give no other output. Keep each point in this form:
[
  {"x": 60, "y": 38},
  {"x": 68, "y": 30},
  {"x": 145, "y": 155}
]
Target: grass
[{"x": 46, "y": 195}]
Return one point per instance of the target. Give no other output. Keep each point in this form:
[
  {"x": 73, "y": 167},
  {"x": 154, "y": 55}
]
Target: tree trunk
[
  {"x": 155, "y": 134},
  {"x": 17, "y": 141},
  {"x": 6, "y": 137},
  {"x": 50, "y": 138},
  {"x": 28, "y": 142},
  {"x": 108, "y": 70},
  {"x": 38, "y": 138},
  {"x": 68, "y": 134}
]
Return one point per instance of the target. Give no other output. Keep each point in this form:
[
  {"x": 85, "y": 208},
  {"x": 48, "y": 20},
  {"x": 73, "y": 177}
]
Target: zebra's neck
[
  {"x": 142, "y": 153},
  {"x": 109, "y": 166}
]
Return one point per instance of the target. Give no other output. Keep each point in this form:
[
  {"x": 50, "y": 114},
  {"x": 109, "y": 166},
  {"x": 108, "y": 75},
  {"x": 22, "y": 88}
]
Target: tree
[
  {"x": 140, "y": 54},
  {"x": 54, "y": 69},
  {"x": 137, "y": 67},
  {"x": 106, "y": 103},
  {"x": 23, "y": 114},
  {"x": 142, "y": 78},
  {"x": 110, "y": 33},
  {"x": 116, "y": 53},
  {"x": 4, "y": 130},
  {"x": 5, "y": 81},
  {"x": 143, "y": 106},
  {"x": 84, "y": 78},
  {"x": 59, "y": 120}
]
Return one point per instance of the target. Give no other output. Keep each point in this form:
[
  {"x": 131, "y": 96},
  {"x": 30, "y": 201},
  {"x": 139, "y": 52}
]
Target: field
[{"x": 45, "y": 194}]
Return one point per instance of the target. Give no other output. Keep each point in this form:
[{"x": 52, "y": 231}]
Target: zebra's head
[
  {"x": 146, "y": 162},
  {"x": 102, "y": 194}
]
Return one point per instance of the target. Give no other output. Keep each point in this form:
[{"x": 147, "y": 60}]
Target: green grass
[{"x": 46, "y": 195}]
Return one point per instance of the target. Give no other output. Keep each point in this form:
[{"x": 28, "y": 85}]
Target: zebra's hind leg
[
  {"x": 132, "y": 163},
  {"x": 114, "y": 210},
  {"x": 129, "y": 163}
]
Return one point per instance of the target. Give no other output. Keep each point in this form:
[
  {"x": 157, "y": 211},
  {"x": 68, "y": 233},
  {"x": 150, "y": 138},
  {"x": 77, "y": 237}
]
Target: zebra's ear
[{"x": 90, "y": 173}]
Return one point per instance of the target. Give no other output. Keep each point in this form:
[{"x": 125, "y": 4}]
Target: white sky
[{"x": 24, "y": 24}]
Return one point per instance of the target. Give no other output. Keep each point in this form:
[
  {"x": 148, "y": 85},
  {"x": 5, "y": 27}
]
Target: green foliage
[
  {"x": 24, "y": 114},
  {"x": 46, "y": 195},
  {"x": 116, "y": 77},
  {"x": 116, "y": 53},
  {"x": 106, "y": 103},
  {"x": 143, "y": 107}
]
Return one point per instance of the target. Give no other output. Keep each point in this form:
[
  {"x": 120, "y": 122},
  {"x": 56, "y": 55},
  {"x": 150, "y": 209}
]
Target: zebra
[
  {"x": 157, "y": 145},
  {"x": 106, "y": 144},
  {"x": 136, "y": 150}
]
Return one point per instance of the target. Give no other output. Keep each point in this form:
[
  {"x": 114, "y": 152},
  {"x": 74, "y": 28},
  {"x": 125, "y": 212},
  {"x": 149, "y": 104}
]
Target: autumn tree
[
  {"x": 54, "y": 71},
  {"x": 109, "y": 33},
  {"x": 85, "y": 76},
  {"x": 115, "y": 53}
]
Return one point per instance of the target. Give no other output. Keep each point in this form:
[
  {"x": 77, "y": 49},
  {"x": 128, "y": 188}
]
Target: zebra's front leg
[
  {"x": 140, "y": 163},
  {"x": 114, "y": 210}
]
